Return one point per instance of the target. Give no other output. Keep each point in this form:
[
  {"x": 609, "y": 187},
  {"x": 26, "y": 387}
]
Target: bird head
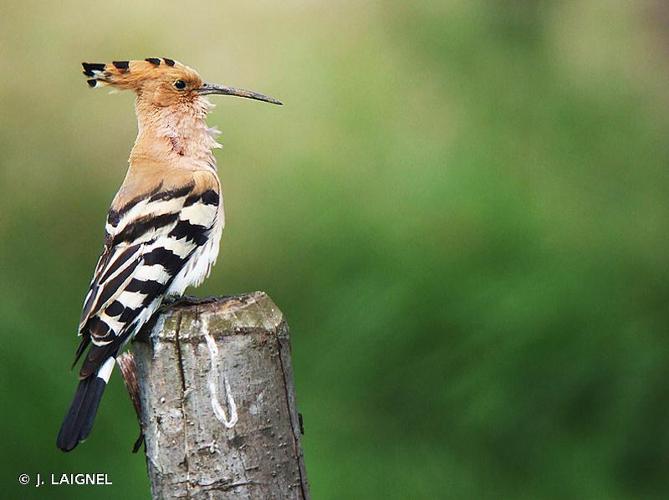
[{"x": 160, "y": 82}]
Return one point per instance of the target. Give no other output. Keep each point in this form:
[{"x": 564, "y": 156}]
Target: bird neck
[{"x": 177, "y": 134}]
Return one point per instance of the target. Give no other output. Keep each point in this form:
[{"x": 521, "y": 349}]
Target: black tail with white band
[{"x": 79, "y": 420}]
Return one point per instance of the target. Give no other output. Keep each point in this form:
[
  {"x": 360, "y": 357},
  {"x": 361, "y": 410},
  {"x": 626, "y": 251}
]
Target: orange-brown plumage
[
  {"x": 173, "y": 139},
  {"x": 153, "y": 81}
]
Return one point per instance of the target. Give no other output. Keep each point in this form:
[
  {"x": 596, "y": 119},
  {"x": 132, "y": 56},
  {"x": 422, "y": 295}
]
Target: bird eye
[{"x": 180, "y": 84}]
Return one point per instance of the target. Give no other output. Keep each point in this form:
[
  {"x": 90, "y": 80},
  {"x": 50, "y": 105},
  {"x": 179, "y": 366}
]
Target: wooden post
[{"x": 218, "y": 404}]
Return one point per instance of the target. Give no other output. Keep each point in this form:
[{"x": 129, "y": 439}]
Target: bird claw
[{"x": 139, "y": 442}]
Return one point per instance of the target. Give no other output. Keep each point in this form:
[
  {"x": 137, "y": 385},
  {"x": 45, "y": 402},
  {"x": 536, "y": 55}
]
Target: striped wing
[{"x": 147, "y": 242}]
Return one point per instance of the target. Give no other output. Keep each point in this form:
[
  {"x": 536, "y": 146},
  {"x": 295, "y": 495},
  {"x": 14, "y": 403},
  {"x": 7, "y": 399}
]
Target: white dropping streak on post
[{"x": 219, "y": 411}]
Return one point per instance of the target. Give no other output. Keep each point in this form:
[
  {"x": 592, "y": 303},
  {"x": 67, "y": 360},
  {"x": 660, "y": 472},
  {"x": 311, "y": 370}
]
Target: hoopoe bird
[{"x": 164, "y": 226}]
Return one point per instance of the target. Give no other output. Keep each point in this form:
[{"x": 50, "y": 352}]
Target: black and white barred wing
[{"x": 155, "y": 246}]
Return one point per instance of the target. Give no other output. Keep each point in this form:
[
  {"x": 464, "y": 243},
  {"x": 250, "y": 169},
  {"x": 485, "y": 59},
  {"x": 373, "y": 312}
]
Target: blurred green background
[{"x": 462, "y": 210}]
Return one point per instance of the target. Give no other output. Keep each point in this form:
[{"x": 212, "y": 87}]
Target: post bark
[{"x": 217, "y": 402}]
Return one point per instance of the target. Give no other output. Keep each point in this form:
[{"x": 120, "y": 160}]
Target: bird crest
[
  {"x": 162, "y": 81},
  {"x": 157, "y": 77}
]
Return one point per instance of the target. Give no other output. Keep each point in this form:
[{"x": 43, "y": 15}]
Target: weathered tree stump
[{"x": 217, "y": 402}]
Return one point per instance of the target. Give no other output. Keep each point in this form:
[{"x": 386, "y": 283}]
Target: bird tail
[{"x": 79, "y": 420}]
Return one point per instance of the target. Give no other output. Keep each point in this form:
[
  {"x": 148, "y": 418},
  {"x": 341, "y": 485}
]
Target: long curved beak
[{"x": 209, "y": 88}]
